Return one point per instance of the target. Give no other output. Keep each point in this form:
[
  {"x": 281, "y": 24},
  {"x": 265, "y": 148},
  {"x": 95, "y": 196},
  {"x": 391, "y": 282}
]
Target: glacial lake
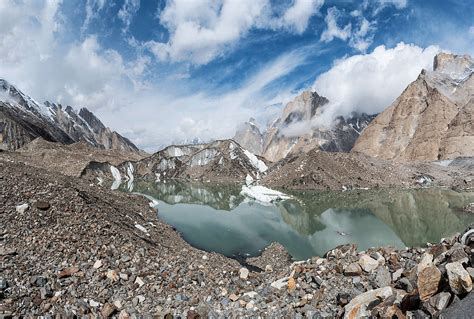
[{"x": 219, "y": 219}]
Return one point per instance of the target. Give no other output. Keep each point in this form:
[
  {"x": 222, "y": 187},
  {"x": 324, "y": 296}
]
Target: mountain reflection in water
[{"x": 218, "y": 218}]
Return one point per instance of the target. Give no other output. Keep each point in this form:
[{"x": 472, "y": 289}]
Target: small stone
[
  {"x": 22, "y": 208},
  {"x": 233, "y": 297},
  {"x": 397, "y": 274},
  {"x": 123, "y": 276},
  {"x": 135, "y": 301},
  {"x": 41, "y": 281},
  {"x": 93, "y": 303},
  {"x": 280, "y": 283},
  {"x": 250, "y": 305},
  {"x": 3, "y": 283},
  {"x": 124, "y": 315},
  {"x": 139, "y": 281},
  {"x": 243, "y": 273},
  {"x": 268, "y": 268},
  {"x": 343, "y": 299},
  {"x": 440, "y": 301},
  {"x": 459, "y": 279},
  {"x": 118, "y": 304},
  {"x": 67, "y": 272},
  {"x": 41, "y": 205},
  {"x": 367, "y": 263},
  {"x": 204, "y": 257},
  {"x": 428, "y": 281},
  {"x": 46, "y": 292},
  {"x": 470, "y": 271},
  {"x": 250, "y": 294},
  {"x": 112, "y": 275},
  {"x": 353, "y": 270},
  {"x": 107, "y": 310},
  {"x": 291, "y": 284},
  {"x": 404, "y": 284},
  {"x": 382, "y": 277},
  {"x": 97, "y": 264}
]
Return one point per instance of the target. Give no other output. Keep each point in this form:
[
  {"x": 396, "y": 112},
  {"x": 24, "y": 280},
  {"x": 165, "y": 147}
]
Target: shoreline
[{"x": 79, "y": 249}]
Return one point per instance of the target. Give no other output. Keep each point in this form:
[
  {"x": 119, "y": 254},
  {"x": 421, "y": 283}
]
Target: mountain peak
[
  {"x": 23, "y": 119},
  {"x": 456, "y": 66}
]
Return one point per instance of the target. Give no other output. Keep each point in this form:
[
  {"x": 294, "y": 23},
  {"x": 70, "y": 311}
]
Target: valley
[{"x": 367, "y": 215}]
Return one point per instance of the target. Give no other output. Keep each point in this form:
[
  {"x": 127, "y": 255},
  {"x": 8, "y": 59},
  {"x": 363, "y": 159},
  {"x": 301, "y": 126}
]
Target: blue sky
[{"x": 160, "y": 71}]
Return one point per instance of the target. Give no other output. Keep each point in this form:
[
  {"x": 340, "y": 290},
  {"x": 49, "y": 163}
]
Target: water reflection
[{"x": 217, "y": 218}]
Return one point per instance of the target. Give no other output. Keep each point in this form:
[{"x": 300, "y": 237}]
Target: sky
[{"x": 170, "y": 71}]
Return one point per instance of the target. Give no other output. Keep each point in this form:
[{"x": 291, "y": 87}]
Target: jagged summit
[
  {"x": 293, "y": 132},
  {"x": 431, "y": 119},
  {"x": 22, "y": 119},
  {"x": 456, "y": 66}
]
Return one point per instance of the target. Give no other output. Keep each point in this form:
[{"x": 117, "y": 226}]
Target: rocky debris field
[
  {"x": 71, "y": 248},
  {"x": 68, "y": 159},
  {"x": 342, "y": 171}
]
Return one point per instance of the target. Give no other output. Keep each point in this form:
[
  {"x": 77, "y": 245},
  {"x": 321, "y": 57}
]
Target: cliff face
[
  {"x": 22, "y": 119},
  {"x": 248, "y": 135},
  {"x": 294, "y": 131},
  {"x": 430, "y": 120}
]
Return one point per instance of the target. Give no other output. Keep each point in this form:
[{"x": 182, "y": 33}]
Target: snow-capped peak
[{"x": 12, "y": 96}]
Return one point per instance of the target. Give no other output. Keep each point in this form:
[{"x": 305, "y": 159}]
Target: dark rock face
[
  {"x": 345, "y": 133},
  {"x": 22, "y": 120}
]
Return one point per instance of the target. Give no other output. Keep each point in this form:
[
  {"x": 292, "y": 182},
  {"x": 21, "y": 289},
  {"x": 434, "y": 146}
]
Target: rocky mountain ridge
[
  {"x": 295, "y": 131},
  {"x": 22, "y": 119},
  {"x": 431, "y": 120},
  {"x": 221, "y": 161}
]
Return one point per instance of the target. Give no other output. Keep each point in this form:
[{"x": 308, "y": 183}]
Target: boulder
[
  {"x": 382, "y": 277},
  {"x": 459, "y": 279},
  {"x": 428, "y": 281},
  {"x": 352, "y": 270},
  {"x": 357, "y": 307},
  {"x": 367, "y": 263}
]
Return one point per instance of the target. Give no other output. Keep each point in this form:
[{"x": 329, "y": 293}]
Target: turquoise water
[{"x": 219, "y": 219}]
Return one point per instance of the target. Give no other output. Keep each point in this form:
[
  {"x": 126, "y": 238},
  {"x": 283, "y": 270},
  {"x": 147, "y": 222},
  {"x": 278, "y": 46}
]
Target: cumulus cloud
[
  {"x": 81, "y": 74},
  {"x": 203, "y": 30},
  {"x": 332, "y": 29},
  {"x": 205, "y": 115},
  {"x": 371, "y": 82}
]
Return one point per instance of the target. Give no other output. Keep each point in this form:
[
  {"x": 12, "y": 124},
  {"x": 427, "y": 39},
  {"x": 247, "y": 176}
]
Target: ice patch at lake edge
[{"x": 263, "y": 194}]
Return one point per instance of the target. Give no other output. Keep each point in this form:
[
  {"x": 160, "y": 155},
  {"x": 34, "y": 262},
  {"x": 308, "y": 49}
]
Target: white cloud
[
  {"x": 92, "y": 7},
  {"x": 81, "y": 74},
  {"x": 399, "y": 4},
  {"x": 381, "y": 4},
  {"x": 298, "y": 15},
  {"x": 360, "y": 38},
  {"x": 203, "y": 114},
  {"x": 200, "y": 31},
  {"x": 371, "y": 82},
  {"x": 332, "y": 29},
  {"x": 127, "y": 12},
  {"x": 363, "y": 37}
]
